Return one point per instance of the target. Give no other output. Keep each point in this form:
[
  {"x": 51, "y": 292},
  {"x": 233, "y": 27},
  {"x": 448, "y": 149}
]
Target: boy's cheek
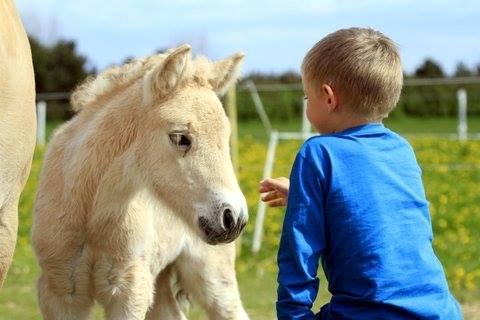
[{"x": 314, "y": 118}]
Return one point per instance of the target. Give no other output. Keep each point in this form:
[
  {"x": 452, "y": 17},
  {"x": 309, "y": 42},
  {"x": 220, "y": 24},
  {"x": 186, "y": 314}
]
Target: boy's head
[{"x": 360, "y": 67}]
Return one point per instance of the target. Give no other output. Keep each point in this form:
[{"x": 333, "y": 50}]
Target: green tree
[
  {"x": 429, "y": 69},
  {"x": 58, "y": 68},
  {"x": 462, "y": 70}
]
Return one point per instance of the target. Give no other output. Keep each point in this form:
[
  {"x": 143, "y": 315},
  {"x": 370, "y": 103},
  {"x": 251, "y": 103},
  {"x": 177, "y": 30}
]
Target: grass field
[
  {"x": 451, "y": 172},
  {"x": 406, "y": 126}
]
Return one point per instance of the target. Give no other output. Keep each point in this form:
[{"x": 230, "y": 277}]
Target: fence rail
[
  {"x": 266, "y": 87},
  {"x": 44, "y": 98}
]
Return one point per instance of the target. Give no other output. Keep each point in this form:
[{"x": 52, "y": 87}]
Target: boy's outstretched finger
[
  {"x": 273, "y": 184},
  {"x": 277, "y": 203},
  {"x": 265, "y": 188},
  {"x": 267, "y": 185},
  {"x": 272, "y": 195}
]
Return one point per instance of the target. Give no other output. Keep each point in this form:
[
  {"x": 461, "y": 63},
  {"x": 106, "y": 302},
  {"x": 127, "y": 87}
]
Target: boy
[{"x": 356, "y": 199}]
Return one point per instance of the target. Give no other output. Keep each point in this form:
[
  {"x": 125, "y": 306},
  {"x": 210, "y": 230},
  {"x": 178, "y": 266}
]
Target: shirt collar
[{"x": 370, "y": 127}]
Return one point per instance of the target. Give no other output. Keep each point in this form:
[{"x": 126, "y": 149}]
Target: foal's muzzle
[{"x": 226, "y": 227}]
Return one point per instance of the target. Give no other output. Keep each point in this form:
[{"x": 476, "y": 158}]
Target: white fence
[{"x": 462, "y": 131}]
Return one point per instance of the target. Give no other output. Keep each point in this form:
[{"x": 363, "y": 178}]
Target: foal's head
[{"x": 185, "y": 153}]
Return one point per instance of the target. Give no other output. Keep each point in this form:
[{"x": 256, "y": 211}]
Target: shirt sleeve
[{"x": 302, "y": 242}]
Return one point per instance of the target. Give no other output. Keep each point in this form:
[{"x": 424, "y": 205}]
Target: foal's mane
[
  {"x": 95, "y": 88},
  {"x": 110, "y": 80}
]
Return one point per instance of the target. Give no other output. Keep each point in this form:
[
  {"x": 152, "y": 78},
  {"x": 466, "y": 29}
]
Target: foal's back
[{"x": 78, "y": 155}]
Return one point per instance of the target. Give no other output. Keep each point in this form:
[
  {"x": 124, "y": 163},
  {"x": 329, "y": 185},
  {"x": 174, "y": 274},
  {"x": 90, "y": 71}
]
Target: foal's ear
[
  {"x": 226, "y": 72},
  {"x": 168, "y": 74}
]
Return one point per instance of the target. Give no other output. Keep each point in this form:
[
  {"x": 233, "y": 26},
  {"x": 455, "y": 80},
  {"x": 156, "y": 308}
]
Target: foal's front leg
[
  {"x": 165, "y": 305},
  {"x": 208, "y": 274},
  {"x": 124, "y": 290}
]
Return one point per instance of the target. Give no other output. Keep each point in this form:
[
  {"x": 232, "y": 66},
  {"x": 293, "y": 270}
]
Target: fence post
[
  {"x": 41, "y": 122},
  {"x": 462, "y": 114},
  {"x": 262, "y": 207},
  {"x": 259, "y": 106},
  {"x": 231, "y": 103},
  {"x": 231, "y": 106}
]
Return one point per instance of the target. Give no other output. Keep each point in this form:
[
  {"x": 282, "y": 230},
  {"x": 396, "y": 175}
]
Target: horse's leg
[
  {"x": 8, "y": 235},
  {"x": 165, "y": 305},
  {"x": 126, "y": 292},
  {"x": 208, "y": 274},
  {"x": 60, "y": 306}
]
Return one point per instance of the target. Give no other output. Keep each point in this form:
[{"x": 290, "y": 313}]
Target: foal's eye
[{"x": 180, "y": 140}]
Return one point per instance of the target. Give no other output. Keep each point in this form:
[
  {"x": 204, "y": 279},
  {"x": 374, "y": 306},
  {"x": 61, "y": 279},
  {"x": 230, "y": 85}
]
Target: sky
[{"x": 274, "y": 34}]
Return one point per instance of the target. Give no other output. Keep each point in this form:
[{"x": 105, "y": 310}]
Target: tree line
[{"x": 60, "y": 67}]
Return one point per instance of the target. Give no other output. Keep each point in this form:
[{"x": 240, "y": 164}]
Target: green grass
[
  {"x": 406, "y": 126},
  {"x": 452, "y": 192},
  {"x": 430, "y": 125}
]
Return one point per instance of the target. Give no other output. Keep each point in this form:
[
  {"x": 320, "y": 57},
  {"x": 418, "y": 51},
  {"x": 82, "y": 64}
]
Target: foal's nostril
[{"x": 228, "y": 220}]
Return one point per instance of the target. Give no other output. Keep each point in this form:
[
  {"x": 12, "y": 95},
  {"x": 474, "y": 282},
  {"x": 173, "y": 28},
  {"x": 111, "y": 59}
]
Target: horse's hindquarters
[{"x": 17, "y": 125}]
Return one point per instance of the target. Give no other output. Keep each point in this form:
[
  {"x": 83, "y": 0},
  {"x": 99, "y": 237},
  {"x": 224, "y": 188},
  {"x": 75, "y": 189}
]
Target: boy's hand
[{"x": 275, "y": 191}]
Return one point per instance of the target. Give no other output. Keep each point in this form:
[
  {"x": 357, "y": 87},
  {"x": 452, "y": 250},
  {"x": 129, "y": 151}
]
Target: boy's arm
[{"x": 302, "y": 242}]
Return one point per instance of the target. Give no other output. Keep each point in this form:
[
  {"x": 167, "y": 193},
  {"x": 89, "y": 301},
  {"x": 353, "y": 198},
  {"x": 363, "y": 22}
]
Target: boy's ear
[{"x": 330, "y": 97}]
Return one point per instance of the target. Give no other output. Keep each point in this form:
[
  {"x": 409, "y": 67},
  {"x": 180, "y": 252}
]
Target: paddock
[{"x": 451, "y": 170}]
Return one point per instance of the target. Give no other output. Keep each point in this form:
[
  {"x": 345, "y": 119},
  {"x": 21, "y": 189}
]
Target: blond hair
[{"x": 362, "y": 64}]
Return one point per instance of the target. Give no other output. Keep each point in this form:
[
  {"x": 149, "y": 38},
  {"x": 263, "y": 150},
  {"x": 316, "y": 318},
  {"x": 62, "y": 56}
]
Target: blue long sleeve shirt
[{"x": 357, "y": 204}]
